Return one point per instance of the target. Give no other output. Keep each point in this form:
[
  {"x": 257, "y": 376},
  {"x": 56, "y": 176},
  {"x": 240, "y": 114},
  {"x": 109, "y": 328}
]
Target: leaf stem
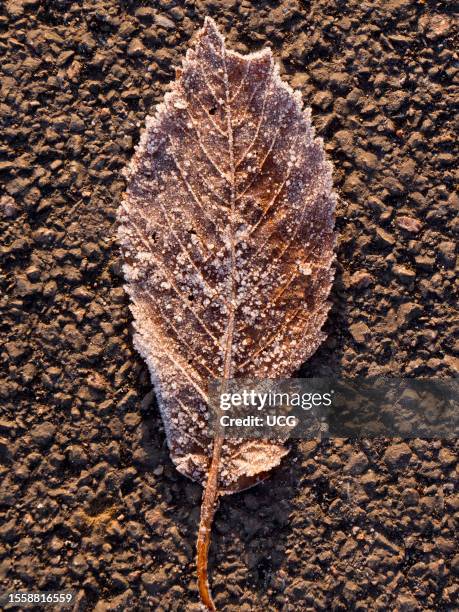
[{"x": 208, "y": 507}]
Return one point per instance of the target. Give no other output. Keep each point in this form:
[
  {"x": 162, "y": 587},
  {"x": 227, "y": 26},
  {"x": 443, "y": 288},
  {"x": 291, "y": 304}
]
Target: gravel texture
[{"x": 89, "y": 499}]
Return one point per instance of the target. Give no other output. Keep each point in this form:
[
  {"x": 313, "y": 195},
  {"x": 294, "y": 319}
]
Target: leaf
[{"x": 227, "y": 235}]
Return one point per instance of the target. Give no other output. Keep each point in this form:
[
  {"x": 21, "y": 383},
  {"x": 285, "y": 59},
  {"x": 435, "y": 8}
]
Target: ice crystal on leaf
[{"x": 227, "y": 234}]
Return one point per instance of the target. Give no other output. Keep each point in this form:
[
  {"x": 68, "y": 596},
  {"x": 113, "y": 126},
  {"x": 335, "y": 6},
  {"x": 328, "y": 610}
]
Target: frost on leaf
[{"x": 227, "y": 235}]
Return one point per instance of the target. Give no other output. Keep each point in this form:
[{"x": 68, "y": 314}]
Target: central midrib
[{"x": 228, "y": 350}]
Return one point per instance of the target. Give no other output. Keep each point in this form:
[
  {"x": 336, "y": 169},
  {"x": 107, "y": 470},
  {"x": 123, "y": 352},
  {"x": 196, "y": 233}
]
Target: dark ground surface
[{"x": 89, "y": 499}]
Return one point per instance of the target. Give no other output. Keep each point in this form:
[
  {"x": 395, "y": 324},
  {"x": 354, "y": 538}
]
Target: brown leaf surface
[{"x": 227, "y": 233}]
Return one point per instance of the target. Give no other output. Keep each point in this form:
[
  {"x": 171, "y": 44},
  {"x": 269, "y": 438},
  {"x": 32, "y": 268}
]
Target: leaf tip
[{"x": 210, "y": 29}]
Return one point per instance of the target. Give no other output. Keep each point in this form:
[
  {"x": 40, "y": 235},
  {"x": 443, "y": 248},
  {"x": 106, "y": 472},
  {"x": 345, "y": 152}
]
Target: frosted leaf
[{"x": 227, "y": 233}]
